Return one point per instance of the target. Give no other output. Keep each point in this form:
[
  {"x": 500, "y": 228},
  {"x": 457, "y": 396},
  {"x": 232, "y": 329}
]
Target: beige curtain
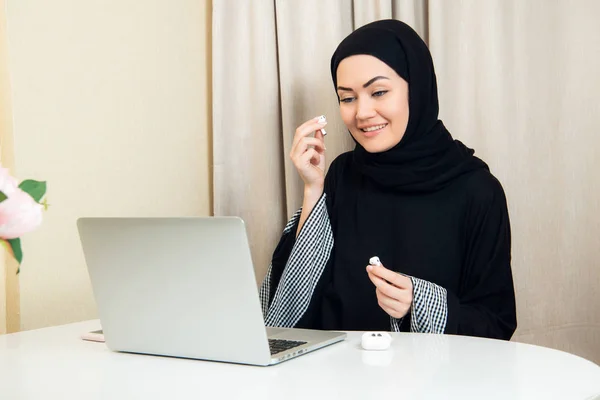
[{"x": 518, "y": 82}]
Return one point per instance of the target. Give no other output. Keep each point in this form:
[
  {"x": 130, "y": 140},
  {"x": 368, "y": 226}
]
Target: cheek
[
  {"x": 347, "y": 113},
  {"x": 397, "y": 115}
]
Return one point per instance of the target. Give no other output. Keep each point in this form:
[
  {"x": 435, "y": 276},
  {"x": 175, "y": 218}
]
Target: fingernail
[{"x": 369, "y": 268}]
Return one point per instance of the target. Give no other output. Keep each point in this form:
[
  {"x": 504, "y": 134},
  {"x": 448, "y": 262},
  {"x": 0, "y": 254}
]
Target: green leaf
[
  {"x": 35, "y": 189},
  {"x": 2, "y": 197},
  {"x": 13, "y": 246}
]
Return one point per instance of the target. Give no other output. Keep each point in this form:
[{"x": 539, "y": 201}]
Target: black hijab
[{"x": 427, "y": 158}]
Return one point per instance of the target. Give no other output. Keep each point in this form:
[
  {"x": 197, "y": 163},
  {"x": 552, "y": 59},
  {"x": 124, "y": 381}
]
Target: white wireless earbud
[
  {"x": 374, "y": 261},
  {"x": 322, "y": 120}
]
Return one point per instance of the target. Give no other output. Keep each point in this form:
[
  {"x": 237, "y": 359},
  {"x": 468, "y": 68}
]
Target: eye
[
  {"x": 380, "y": 93},
  {"x": 347, "y": 100}
]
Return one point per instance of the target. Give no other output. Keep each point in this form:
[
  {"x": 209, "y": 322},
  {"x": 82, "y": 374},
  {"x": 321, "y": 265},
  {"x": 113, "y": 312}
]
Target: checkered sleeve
[
  {"x": 267, "y": 283},
  {"x": 302, "y": 271},
  {"x": 429, "y": 309},
  {"x": 395, "y": 324}
]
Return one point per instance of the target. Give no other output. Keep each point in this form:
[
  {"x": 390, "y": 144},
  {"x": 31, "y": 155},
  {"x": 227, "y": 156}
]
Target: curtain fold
[
  {"x": 305, "y": 81},
  {"x": 247, "y": 141},
  {"x": 517, "y": 82}
]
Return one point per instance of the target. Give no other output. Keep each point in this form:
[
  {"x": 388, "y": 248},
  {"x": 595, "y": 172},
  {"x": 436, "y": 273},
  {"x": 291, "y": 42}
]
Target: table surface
[{"x": 56, "y": 363}]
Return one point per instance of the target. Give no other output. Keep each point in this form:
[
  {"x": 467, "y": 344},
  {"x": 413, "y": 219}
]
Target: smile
[{"x": 373, "y": 128}]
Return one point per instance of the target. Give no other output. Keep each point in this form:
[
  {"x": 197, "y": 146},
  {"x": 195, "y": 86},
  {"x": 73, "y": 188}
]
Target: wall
[
  {"x": 3, "y": 132},
  {"x": 9, "y": 294},
  {"x": 111, "y": 107}
]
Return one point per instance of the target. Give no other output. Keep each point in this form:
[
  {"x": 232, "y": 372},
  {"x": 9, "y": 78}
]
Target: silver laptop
[{"x": 184, "y": 287}]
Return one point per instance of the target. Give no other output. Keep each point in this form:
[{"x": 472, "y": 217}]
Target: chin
[
  {"x": 378, "y": 144},
  {"x": 375, "y": 149},
  {"x": 375, "y": 146}
]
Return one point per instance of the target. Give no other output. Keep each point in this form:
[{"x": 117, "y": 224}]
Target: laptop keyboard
[{"x": 279, "y": 345}]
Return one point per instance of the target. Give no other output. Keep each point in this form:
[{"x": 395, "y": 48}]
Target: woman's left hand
[{"x": 394, "y": 291}]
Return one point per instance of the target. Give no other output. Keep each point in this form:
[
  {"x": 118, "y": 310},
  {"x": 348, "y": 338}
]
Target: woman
[{"x": 408, "y": 193}]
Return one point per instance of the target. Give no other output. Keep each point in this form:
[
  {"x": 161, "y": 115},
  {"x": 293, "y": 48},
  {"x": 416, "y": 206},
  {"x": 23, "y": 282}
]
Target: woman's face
[{"x": 373, "y": 102}]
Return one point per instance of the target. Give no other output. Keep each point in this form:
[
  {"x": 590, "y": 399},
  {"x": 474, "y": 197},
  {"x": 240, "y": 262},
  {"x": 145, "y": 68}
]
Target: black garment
[{"x": 427, "y": 207}]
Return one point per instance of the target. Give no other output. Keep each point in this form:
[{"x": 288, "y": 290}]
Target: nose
[{"x": 365, "y": 109}]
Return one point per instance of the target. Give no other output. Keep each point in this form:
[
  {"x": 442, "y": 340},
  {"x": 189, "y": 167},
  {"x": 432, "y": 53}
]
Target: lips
[{"x": 373, "y": 128}]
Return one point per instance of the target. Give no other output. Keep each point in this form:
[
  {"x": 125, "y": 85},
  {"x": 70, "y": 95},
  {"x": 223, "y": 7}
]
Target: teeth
[{"x": 374, "y": 128}]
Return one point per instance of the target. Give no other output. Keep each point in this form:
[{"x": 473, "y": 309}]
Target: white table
[{"x": 53, "y": 363}]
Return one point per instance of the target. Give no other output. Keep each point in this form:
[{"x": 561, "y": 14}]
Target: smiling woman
[{"x": 408, "y": 193}]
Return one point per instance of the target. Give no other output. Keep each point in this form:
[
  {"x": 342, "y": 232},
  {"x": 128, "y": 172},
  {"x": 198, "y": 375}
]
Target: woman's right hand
[{"x": 308, "y": 154}]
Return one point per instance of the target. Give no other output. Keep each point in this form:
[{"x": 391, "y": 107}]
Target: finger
[
  {"x": 304, "y": 143},
  {"x": 319, "y": 134},
  {"x": 386, "y": 288},
  {"x": 396, "y": 309},
  {"x": 308, "y": 156},
  {"x": 403, "y": 298},
  {"x": 391, "y": 276},
  {"x": 392, "y": 311},
  {"x": 320, "y": 119},
  {"x": 316, "y": 158},
  {"x": 306, "y": 129},
  {"x": 311, "y": 156},
  {"x": 306, "y": 132},
  {"x": 386, "y": 301}
]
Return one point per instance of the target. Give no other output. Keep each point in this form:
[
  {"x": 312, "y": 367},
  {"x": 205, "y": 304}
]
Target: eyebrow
[{"x": 366, "y": 85}]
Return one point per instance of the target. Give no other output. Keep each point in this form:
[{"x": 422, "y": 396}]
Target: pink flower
[
  {"x": 8, "y": 184},
  {"x": 19, "y": 213}
]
